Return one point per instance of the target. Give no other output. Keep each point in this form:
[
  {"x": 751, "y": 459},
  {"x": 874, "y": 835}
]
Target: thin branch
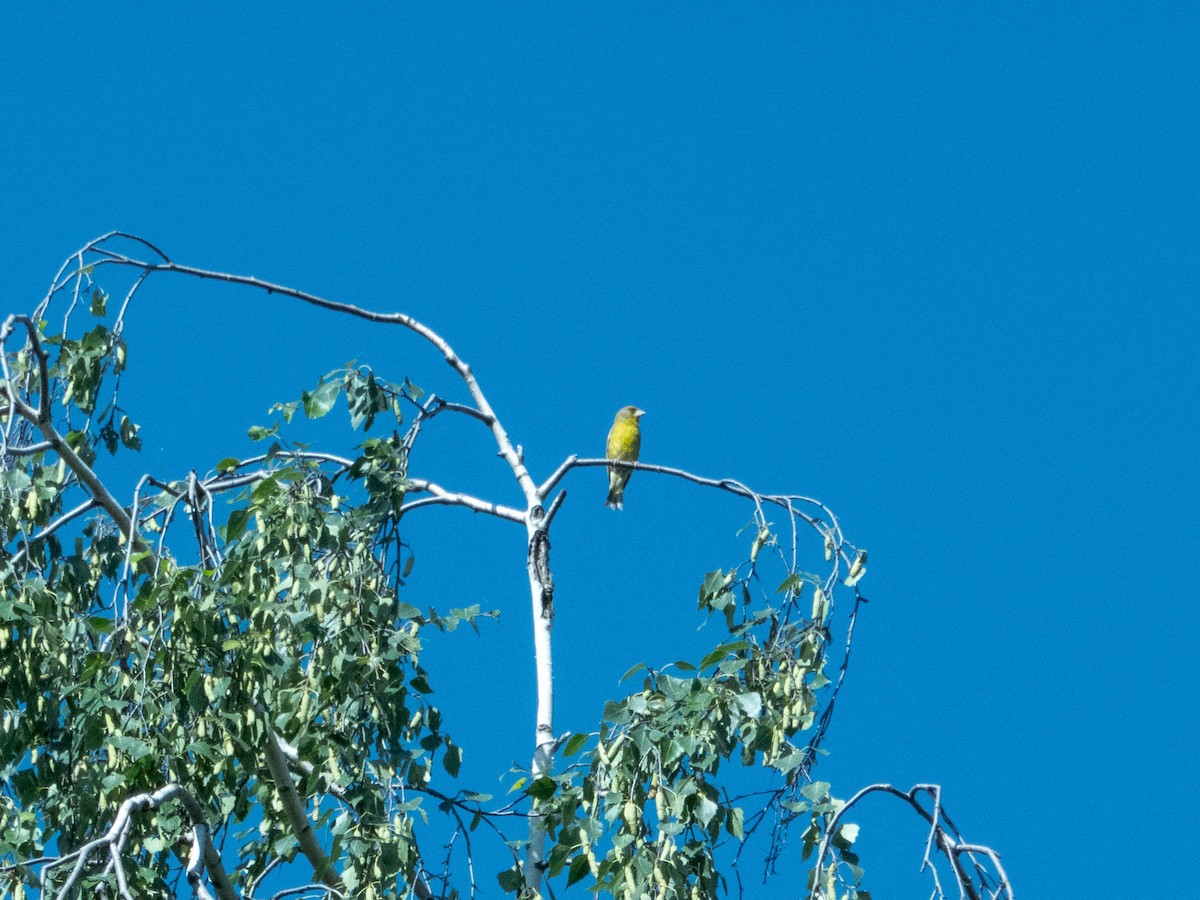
[
  {"x": 305, "y": 455},
  {"x": 29, "y": 450},
  {"x": 948, "y": 843},
  {"x": 441, "y": 496},
  {"x": 506, "y": 447},
  {"x": 89, "y": 479},
  {"x": 84, "y": 507},
  {"x": 810, "y": 750},
  {"x": 267, "y": 870},
  {"x": 554, "y": 507},
  {"x": 17, "y": 404},
  {"x": 305, "y": 888},
  {"x": 724, "y": 484}
]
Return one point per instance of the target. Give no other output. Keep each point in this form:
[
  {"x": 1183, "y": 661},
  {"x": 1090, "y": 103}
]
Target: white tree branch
[
  {"x": 204, "y": 854},
  {"x": 295, "y": 811},
  {"x": 443, "y": 497},
  {"x": 942, "y": 834}
]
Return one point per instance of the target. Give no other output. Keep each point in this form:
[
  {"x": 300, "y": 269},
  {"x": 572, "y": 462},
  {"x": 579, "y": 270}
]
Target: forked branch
[
  {"x": 203, "y": 858},
  {"x": 972, "y": 878}
]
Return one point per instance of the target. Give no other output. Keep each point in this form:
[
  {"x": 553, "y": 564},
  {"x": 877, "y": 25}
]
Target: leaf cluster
[{"x": 643, "y": 811}]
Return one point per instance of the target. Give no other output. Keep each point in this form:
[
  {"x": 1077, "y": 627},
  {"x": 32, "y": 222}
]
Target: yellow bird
[{"x": 624, "y": 442}]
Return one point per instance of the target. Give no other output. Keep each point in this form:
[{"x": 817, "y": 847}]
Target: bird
[{"x": 624, "y": 442}]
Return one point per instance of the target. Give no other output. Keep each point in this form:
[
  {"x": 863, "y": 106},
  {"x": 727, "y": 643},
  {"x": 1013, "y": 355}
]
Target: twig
[
  {"x": 84, "y": 507},
  {"x": 948, "y": 843}
]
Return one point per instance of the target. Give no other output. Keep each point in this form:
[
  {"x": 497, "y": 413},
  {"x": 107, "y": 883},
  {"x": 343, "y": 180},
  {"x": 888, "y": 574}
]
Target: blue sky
[{"x": 933, "y": 263}]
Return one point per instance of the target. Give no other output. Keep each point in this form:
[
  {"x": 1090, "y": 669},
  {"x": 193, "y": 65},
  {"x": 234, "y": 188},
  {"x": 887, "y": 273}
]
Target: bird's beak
[{"x": 639, "y": 413}]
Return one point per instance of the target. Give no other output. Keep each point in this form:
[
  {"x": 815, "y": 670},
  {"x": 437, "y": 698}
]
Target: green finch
[{"x": 624, "y": 442}]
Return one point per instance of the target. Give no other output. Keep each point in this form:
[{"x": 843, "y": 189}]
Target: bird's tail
[{"x": 616, "y": 488}]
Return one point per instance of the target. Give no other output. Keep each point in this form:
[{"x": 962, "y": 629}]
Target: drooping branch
[
  {"x": 507, "y": 449},
  {"x": 42, "y": 420},
  {"x": 725, "y": 484},
  {"x": 942, "y": 834},
  {"x": 67, "y": 517},
  {"x": 42, "y": 413},
  {"x": 204, "y": 856}
]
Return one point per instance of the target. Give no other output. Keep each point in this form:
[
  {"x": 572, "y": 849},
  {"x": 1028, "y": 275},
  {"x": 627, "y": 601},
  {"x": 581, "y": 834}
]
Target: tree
[{"x": 182, "y": 674}]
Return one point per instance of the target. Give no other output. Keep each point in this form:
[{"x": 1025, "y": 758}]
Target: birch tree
[{"x": 212, "y": 685}]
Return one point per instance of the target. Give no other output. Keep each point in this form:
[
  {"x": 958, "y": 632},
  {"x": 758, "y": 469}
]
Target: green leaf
[
  {"x": 452, "y": 759},
  {"x": 236, "y": 526},
  {"x": 735, "y": 822},
  {"x": 632, "y": 672},
  {"x": 793, "y": 583},
  {"x": 579, "y": 868},
  {"x": 816, "y": 791},
  {"x": 228, "y": 464},
  {"x": 575, "y": 744},
  {"x": 267, "y": 490},
  {"x": 317, "y": 403},
  {"x": 129, "y": 434},
  {"x": 99, "y": 302},
  {"x": 287, "y": 410},
  {"x": 511, "y": 880},
  {"x": 719, "y": 653},
  {"x": 750, "y": 704},
  {"x": 542, "y": 788},
  {"x": 786, "y": 763},
  {"x": 259, "y": 432}
]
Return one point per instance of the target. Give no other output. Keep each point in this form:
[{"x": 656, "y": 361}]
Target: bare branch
[
  {"x": 549, "y": 484},
  {"x": 305, "y": 455},
  {"x": 30, "y": 450},
  {"x": 443, "y": 497},
  {"x": 783, "y": 501},
  {"x": 554, "y": 507},
  {"x": 305, "y": 888},
  {"x": 945, "y": 836},
  {"x": 484, "y": 408}
]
